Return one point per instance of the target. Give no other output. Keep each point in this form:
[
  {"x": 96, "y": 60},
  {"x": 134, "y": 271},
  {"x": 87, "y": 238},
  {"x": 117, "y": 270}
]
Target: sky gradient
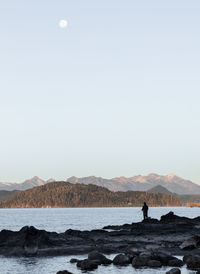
[{"x": 115, "y": 93}]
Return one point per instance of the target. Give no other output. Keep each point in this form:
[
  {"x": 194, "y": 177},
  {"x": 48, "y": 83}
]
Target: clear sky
[{"x": 115, "y": 93}]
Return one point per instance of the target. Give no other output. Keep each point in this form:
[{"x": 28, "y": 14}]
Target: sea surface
[{"x": 61, "y": 219}]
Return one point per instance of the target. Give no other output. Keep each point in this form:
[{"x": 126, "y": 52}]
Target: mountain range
[{"x": 172, "y": 183}]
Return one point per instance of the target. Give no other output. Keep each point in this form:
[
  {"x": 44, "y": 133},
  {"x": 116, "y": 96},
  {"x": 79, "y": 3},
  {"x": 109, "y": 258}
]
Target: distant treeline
[
  {"x": 6, "y": 193},
  {"x": 63, "y": 194},
  {"x": 189, "y": 199}
]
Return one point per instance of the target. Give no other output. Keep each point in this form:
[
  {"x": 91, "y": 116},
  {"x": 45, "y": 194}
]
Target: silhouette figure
[{"x": 145, "y": 211}]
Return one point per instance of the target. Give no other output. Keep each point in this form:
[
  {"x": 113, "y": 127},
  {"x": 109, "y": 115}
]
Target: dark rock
[
  {"x": 193, "y": 262},
  {"x": 73, "y": 261},
  {"x": 78, "y": 264},
  {"x": 164, "y": 258},
  {"x": 99, "y": 258},
  {"x": 154, "y": 263},
  {"x": 198, "y": 272},
  {"x": 121, "y": 259},
  {"x": 190, "y": 243},
  {"x": 160, "y": 236},
  {"x": 134, "y": 250},
  {"x": 186, "y": 257},
  {"x": 172, "y": 218},
  {"x": 175, "y": 262},
  {"x": 150, "y": 221},
  {"x": 87, "y": 265},
  {"x": 174, "y": 271},
  {"x": 31, "y": 240},
  {"x": 63, "y": 272},
  {"x": 147, "y": 254},
  {"x": 95, "y": 255},
  {"x": 138, "y": 262}
]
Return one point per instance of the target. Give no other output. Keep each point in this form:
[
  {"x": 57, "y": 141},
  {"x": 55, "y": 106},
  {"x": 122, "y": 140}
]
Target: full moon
[{"x": 63, "y": 23}]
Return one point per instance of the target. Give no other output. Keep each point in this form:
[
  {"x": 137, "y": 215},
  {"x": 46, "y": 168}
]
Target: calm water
[{"x": 77, "y": 218}]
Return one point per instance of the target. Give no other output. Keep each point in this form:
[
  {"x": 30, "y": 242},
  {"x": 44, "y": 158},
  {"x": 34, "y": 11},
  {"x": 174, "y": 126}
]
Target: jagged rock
[
  {"x": 175, "y": 262},
  {"x": 121, "y": 259},
  {"x": 166, "y": 234},
  {"x": 154, "y": 263},
  {"x": 171, "y": 218},
  {"x": 174, "y": 271},
  {"x": 64, "y": 272},
  {"x": 193, "y": 262},
  {"x": 190, "y": 243}
]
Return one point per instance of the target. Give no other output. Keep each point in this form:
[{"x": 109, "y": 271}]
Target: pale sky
[{"x": 115, "y": 93}]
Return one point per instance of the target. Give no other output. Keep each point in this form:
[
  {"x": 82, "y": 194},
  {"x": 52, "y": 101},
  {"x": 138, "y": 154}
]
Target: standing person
[{"x": 145, "y": 210}]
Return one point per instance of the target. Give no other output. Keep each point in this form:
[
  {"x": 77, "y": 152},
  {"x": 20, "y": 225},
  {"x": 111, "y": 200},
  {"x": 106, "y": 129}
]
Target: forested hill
[{"x": 63, "y": 194}]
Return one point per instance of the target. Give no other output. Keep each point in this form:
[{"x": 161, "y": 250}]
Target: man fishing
[{"x": 145, "y": 210}]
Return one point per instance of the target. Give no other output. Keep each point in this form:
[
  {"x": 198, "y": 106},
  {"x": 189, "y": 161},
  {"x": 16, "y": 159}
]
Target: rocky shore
[{"x": 150, "y": 243}]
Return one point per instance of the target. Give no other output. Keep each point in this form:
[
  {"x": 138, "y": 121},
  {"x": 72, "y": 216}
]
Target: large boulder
[
  {"x": 193, "y": 262},
  {"x": 95, "y": 255},
  {"x": 87, "y": 265},
  {"x": 121, "y": 259},
  {"x": 174, "y": 271},
  {"x": 99, "y": 258}
]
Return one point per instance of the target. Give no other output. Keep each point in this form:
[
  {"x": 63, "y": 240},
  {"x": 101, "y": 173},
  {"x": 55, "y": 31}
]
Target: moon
[{"x": 63, "y": 23}]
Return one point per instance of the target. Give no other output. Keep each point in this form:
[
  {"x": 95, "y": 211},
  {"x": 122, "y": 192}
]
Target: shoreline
[
  {"x": 140, "y": 244},
  {"x": 166, "y": 234},
  {"x": 138, "y": 206}
]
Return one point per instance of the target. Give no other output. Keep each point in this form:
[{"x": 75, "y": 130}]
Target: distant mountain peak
[
  {"x": 152, "y": 175},
  {"x": 35, "y": 177},
  {"x": 29, "y": 183},
  {"x": 171, "y": 175},
  {"x": 51, "y": 180}
]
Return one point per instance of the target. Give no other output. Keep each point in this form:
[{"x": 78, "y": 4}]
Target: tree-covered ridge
[{"x": 63, "y": 194}]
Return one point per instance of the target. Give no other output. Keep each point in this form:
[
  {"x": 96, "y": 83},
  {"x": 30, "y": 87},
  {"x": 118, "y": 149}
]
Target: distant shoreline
[{"x": 139, "y": 206}]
